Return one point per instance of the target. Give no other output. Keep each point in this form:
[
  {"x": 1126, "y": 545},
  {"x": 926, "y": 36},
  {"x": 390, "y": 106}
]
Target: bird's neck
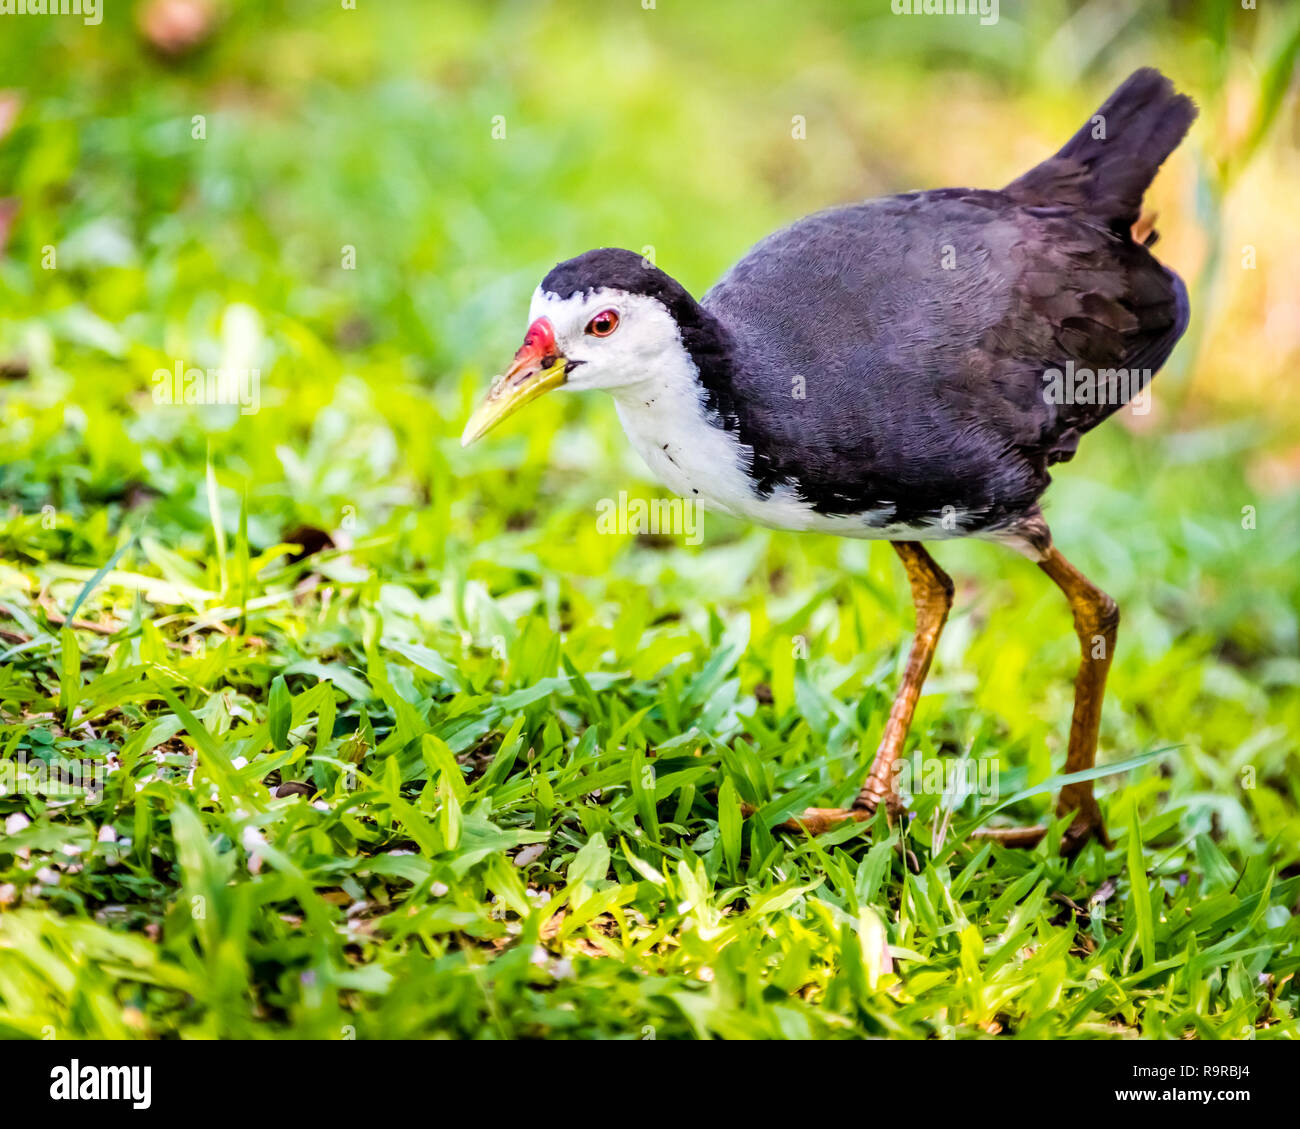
[
  {"x": 691, "y": 379},
  {"x": 702, "y": 368},
  {"x": 681, "y": 419}
]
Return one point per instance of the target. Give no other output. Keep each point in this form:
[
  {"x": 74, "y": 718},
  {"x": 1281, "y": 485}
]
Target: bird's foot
[
  {"x": 1087, "y": 824},
  {"x": 817, "y": 821},
  {"x": 1026, "y": 837}
]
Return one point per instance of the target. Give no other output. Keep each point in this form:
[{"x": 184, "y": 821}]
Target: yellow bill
[{"x": 537, "y": 368}]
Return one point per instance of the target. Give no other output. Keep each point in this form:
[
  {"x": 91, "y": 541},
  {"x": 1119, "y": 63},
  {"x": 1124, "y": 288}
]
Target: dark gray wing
[{"x": 862, "y": 378}]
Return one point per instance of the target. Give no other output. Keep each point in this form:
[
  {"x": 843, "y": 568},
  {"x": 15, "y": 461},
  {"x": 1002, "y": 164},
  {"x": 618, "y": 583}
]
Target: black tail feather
[{"x": 1106, "y": 167}]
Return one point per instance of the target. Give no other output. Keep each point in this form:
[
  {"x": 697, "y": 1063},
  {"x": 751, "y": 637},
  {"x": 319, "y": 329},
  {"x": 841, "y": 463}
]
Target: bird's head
[{"x": 607, "y": 319}]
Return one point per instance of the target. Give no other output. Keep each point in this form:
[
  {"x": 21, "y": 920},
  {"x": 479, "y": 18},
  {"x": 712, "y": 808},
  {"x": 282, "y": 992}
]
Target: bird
[{"x": 905, "y": 368}]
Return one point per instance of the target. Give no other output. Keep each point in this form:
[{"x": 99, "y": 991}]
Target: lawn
[{"x": 314, "y": 725}]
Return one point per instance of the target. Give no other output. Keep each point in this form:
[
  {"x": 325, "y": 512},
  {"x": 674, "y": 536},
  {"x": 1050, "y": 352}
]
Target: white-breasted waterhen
[{"x": 891, "y": 370}]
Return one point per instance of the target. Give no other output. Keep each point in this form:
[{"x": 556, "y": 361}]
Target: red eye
[{"x": 603, "y": 324}]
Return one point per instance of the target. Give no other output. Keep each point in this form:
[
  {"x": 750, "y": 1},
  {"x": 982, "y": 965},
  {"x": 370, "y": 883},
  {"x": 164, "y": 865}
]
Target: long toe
[
  {"x": 1024, "y": 837},
  {"x": 817, "y": 821}
]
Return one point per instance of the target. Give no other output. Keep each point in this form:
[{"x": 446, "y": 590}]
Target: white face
[{"x": 643, "y": 342}]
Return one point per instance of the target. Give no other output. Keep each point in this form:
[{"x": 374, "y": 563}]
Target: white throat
[
  {"x": 666, "y": 420},
  {"x": 668, "y": 423}
]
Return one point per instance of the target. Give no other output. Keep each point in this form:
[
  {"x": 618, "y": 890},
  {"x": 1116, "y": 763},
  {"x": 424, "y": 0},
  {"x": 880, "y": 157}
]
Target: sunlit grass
[{"x": 521, "y": 751}]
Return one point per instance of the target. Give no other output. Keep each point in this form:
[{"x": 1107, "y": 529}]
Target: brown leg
[
  {"x": 932, "y": 594},
  {"x": 1096, "y": 622}
]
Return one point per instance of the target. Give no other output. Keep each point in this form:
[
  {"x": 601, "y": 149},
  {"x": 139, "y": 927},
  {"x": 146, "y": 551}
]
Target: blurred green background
[{"x": 359, "y": 203}]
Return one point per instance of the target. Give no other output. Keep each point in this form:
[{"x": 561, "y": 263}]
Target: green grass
[{"x": 524, "y": 748}]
